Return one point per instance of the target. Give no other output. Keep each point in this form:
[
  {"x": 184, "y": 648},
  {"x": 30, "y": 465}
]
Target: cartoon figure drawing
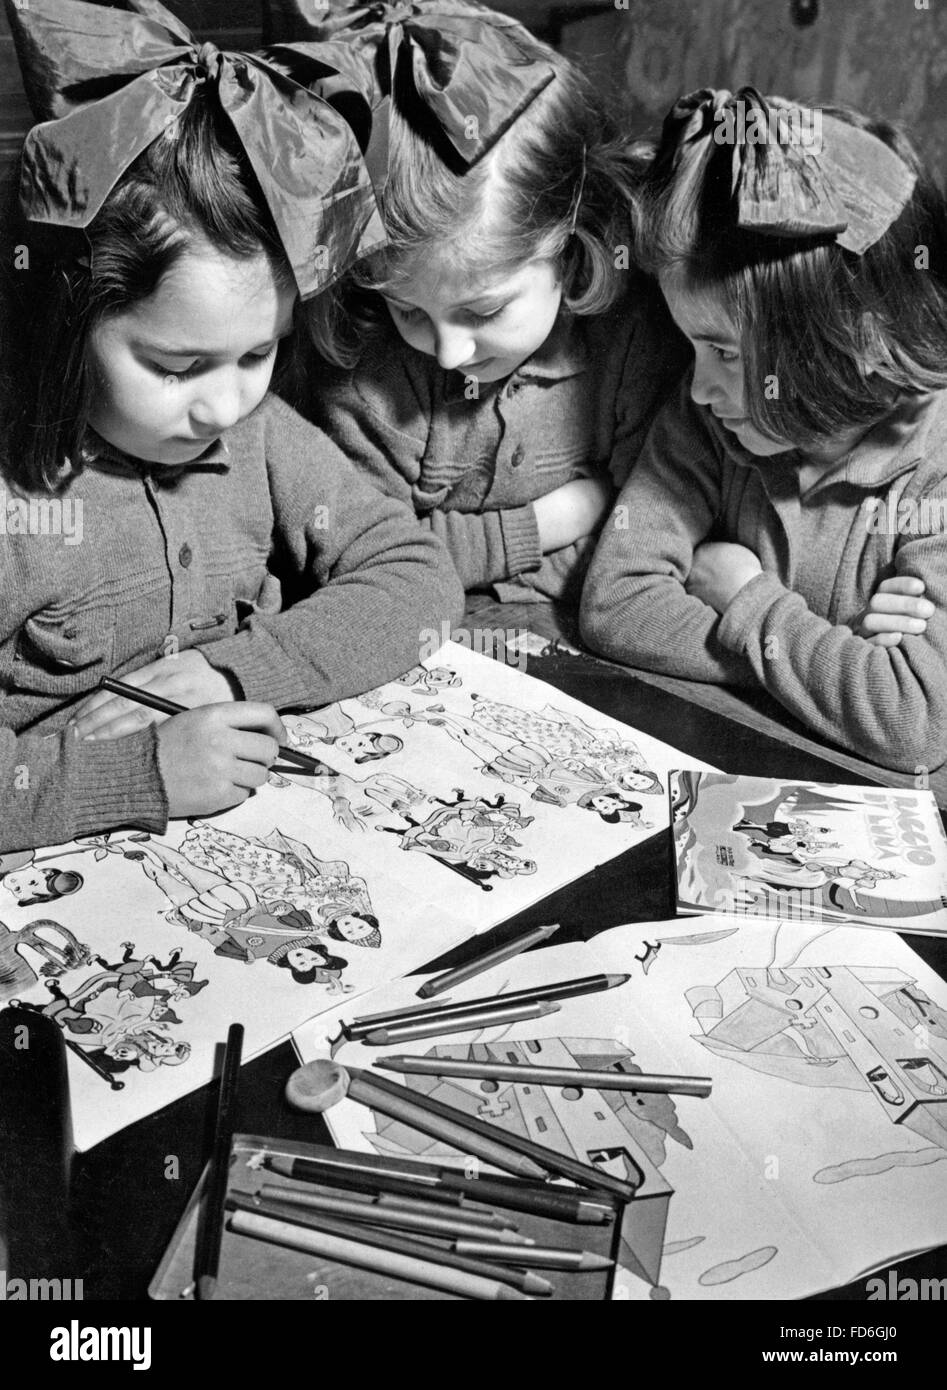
[
  {"x": 333, "y": 725},
  {"x": 472, "y": 836},
  {"x": 599, "y": 780},
  {"x": 57, "y": 949},
  {"x": 29, "y": 884},
  {"x": 426, "y": 681},
  {"x": 266, "y": 898},
  {"x": 121, "y": 1017},
  {"x": 570, "y": 742}
]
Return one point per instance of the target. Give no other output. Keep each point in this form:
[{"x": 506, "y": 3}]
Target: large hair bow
[
  {"x": 474, "y": 71},
  {"x": 795, "y": 171},
  {"x": 105, "y": 83}
]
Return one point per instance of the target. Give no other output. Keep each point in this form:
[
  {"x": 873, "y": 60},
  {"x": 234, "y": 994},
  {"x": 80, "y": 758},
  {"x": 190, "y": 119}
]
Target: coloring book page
[
  {"x": 818, "y": 1157},
  {"x": 810, "y": 851},
  {"x": 440, "y": 805}
]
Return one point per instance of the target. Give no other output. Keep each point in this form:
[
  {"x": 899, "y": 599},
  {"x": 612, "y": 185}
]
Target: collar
[
  {"x": 563, "y": 354},
  {"x": 891, "y": 447},
  {"x": 96, "y": 450}
]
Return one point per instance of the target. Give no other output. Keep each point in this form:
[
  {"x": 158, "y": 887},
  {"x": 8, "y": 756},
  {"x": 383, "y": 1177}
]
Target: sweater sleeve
[
  {"x": 379, "y": 417},
  {"x": 57, "y": 787},
  {"x": 635, "y": 607},
  {"x": 888, "y": 704},
  {"x": 365, "y": 589}
]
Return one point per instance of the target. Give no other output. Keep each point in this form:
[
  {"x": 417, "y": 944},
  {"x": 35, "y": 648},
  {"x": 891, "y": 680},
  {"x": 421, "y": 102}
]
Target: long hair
[
  {"x": 557, "y": 185},
  {"x": 192, "y": 183},
  {"x": 842, "y": 335}
]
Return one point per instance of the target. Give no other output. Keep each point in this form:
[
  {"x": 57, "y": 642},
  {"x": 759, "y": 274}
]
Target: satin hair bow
[
  {"x": 474, "y": 71},
  {"x": 795, "y": 172},
  {"x": 105, "y": 83}
]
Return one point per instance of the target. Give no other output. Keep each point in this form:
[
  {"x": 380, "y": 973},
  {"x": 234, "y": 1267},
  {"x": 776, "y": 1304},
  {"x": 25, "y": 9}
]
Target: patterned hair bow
[
  {"x": 474, "y": 71},
  {"x": 105, "y": 83},
  {"x": 795, "y": 171}
]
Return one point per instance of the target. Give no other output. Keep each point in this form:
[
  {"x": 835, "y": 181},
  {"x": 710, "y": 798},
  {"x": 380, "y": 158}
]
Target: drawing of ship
[
  {"x": 857, "y": 1028},
  {"x": 596, "y": 1127}
]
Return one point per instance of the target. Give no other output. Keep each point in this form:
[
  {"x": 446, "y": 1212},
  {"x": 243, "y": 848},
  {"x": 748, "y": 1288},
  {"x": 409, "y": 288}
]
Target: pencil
[
  {"x": 444, "y": 1223},
  {"x": 365, "y": 1250},
  {"x": 474, "y": 1022},
  {"x": 440, "y": 1185},
  {"x": 207, "y": 1254},
  {"x": 451, "y": 1126},
  {"x": 547, "y": 1076},
  {"x": 541, "y": 994},
  {"x": 548, "y": 1159},
  {"x": 485, "y": 962},
  {"x": 157, "y": 702},
  {"x": 538, "y": 1256},
  {"x": 557, "y": 1203}
]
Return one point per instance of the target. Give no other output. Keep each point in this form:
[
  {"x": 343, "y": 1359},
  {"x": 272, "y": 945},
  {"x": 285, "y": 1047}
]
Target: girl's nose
[
  {"x": 453, "y": 346},
  {"x": 219, "y": 405},
  {"x": 703, "y": 390}
]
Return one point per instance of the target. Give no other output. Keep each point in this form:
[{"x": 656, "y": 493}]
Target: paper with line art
[
  {"x": 821, "y": 1154},
  {"x": 808, "y": 851},
  {"x": 434, "y": 818}
]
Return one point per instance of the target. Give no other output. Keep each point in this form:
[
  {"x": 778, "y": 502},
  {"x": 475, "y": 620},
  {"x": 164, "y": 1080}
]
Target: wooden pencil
[
  {"x": 543, "y": 1158},
  {"x": 354, "y": 1249},
  {"x": 207, "y": 1254}
]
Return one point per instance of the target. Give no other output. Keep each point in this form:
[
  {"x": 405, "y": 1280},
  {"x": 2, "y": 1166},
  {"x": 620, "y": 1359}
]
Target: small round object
[{"x": 317, "y": 1086}]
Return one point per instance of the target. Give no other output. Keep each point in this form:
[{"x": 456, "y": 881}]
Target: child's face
[
  {"x": 718, "y": 361},
  {"x": 180, "y": 367},
  {"x": 483, "y": 326},
  {"x": 353, "y": 928},
  {"x": 357, "y": 745}
]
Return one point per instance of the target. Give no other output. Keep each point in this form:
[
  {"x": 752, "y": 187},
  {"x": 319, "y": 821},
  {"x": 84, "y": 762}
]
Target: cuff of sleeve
[
  {"x": 118, "y": 782},
  {"x": 746, "y": 611},
  {"x": 265, "y": 671},
  {"x": 521, "y": 539}
]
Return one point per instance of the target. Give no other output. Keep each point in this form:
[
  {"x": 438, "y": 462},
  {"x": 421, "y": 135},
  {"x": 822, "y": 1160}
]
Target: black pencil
[
  {"x": 212, "y": 1224},
  {"x": 163, "y": 706}
]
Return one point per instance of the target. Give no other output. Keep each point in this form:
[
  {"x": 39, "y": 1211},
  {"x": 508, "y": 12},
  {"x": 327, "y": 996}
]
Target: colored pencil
[
  {"x": 582, "y": 1173},
  {"x": 540, "y": 994},
  {"x": 475, "y": 1022},
  {"x": 538, "y": 1256},
  {"x": 486, "y": 962},
  {"x": 451, "y": 1126},
  {"x": 207, "y": 1253},
  {"x": 366, "y": 1249},
  {"x": 382, "y": 1174},
  {"x": 547, "y": 1076},
  {"x": 444, "y": 1223},
  {"x": 157, "y": 702}
]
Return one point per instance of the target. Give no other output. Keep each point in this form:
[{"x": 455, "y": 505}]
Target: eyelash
[
  {"x": 252, "y": 360},
  {"x": 722, "y": 353},
  {"x": 413, "y": 315}
]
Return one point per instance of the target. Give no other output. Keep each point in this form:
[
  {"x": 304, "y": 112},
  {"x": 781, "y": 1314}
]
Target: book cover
[{"x": 809, "y": 852}]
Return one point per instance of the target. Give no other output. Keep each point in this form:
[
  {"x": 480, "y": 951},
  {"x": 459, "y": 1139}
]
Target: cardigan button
[
  {"x": 519, "y": 453},
  {"x": 185, "y": 555}
]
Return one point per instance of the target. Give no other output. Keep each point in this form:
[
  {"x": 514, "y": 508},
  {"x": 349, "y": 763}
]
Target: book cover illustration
[{"x": 809, "y": 852}]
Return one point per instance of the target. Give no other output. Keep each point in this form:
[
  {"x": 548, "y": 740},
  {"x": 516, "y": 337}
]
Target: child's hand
[
  {"x": 719, "y": 571},
  {"x": 187, "y": 678},
  {"x": 571, "y": 511},
  {"x": 897, "y": 607},
  {"x": 211, "y": 758}
]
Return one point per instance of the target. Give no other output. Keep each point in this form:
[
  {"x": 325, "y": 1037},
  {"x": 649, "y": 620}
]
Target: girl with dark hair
[
  {"x": 176, "y": 200},
  {"x": 502, "y": 355},
  {"x": 793, "y": 499}
]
